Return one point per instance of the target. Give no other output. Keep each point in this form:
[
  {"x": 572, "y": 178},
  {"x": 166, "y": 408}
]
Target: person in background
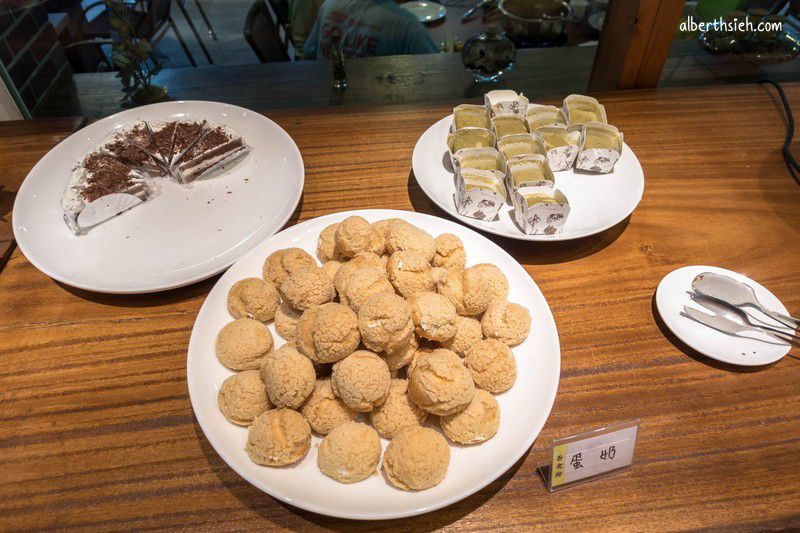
[
  {"x": 367, "y": 28},
  {"x": 302, "y": 14}
]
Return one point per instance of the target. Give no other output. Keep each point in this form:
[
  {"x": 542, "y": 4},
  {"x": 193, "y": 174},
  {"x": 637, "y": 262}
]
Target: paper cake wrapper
[
  {"x": 504, "y": 102},
  {"x": 562, "y": 157},
  {"x": 478, "y": 203},
  {"x": 540, "y": 219},
  {"x": 599, "y": 160}
]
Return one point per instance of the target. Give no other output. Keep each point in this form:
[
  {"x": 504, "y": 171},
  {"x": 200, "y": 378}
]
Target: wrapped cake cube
[
  {"x": 540, "y": 210},
  {"x": 470, "y": 116},
  {"x": 539, "y": 115},
  {"x": 562, "y": 144},
  {"x": 580, "y": 109},
  {"x": 528, "y": 171},
  {"x": 479, "y": 193},
  {"x": 479, "y": 159},
  {"x": 469, "y": 137},
  {"x": 602, "y": 147},
  {"x": 520, "y": 144},
  {"x": 505, "y": 102},
  {"x": 503, "y": 125}
]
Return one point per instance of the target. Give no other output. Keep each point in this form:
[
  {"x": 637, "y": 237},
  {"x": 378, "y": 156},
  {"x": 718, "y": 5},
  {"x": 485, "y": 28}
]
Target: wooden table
[{"x": 97, "y": 431}]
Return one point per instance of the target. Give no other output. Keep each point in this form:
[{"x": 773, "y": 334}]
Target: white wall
[{"x": 8, "y": 108}]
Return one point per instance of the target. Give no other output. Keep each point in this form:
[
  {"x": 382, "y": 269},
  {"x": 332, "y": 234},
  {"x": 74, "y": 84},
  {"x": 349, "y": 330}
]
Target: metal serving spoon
[
  {"x": 737, "y": 294},
  {"x": 734, "y": 314}
]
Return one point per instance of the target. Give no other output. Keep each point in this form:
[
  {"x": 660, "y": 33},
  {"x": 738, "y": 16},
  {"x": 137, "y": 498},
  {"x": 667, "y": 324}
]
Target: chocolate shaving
[
  {"x": 186, "y": 133},
  {"x": 164, "y": 140}
]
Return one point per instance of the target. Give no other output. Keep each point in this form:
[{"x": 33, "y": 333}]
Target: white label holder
[{"x": 591, "y": 455}]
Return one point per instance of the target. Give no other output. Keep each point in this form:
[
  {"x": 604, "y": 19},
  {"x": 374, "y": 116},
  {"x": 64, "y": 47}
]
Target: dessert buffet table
[{"x": 98, "y": 432}]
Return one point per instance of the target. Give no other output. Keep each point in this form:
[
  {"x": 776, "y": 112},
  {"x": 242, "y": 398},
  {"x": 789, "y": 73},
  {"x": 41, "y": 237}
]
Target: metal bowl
[{"x": 535, "y": 22}]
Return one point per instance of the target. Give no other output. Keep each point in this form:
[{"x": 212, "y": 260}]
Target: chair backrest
[
  {"x": 87, "y": 56},
  {"x": 281, "y": 9},
  {"x": 261, "y": 33},
  {"x": 157, "y": 16}
]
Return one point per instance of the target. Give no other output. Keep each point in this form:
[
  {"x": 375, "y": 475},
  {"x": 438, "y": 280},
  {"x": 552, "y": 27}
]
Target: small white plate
[
  {"x": 524, "y": 408},
  {"x": 186, "y": 233},
  {"x": 425, "y": 11},
  {"x": 597, "y": 201},
  {"x": 746, "y": 349}
]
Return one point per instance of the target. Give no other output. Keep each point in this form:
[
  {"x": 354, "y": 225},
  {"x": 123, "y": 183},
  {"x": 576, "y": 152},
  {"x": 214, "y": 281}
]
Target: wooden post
[{"x": 634, "y": 43}]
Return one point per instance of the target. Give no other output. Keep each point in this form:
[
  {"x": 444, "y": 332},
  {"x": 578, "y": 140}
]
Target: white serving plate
[
  {"x": 746, "y": 349},
  {"x": 185, "y": 234},
  {"x": 524, "y": 408},
  {"x": 598, "y": 201}
]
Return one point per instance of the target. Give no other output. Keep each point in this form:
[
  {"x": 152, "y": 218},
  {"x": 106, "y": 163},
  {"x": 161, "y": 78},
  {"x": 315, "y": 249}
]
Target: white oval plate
[
  {"x": 746, "y": 349},
  {"x": 186, "y": 233},
  {"x": 425, "y": 11},
  {"x": 524, "y": 408},
  {"x": 597, "y": 201}
]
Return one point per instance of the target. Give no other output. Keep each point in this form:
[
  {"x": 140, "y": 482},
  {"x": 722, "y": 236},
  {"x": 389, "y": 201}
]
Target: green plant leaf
[{"x": 142, "y": 48}]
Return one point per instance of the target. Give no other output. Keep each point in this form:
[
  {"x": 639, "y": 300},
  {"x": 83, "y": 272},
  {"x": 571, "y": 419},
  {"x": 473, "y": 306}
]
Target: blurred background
[{"x": 70, "y": 57}]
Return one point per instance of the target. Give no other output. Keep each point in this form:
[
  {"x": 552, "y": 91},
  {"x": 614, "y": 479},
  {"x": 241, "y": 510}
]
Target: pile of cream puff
[{"x": 391, "y": 336}]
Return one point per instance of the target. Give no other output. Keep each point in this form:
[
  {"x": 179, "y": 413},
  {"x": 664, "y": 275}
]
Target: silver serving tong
[
  {"x": 737, "y": 294},
  {"x": 739, "y": 317},
  {"x": 730, "y": 327}
]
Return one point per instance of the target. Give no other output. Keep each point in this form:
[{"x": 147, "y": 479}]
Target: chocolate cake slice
[
  {"x": 216, "y": 147},
  {"x": 164, "y": 139},
  {"x": 118, "y": 175},
  {"x": 101, "y": 187},
  {"x": 186, "y": 135},
  {"x": 136, "y": 147}
]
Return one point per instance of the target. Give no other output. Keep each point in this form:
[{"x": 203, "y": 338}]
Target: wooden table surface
[{"x": 97, "y": 431}]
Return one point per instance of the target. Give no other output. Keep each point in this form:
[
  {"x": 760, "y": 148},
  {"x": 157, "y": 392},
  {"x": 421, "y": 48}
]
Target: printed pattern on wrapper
[
  {"x": 480, "y": 204},
  {"x": 562, "y": 157},
  {"x": 506, "y": 102},
  {"x": 599, "y": 160},
  {"x": 540, "y": 219}
]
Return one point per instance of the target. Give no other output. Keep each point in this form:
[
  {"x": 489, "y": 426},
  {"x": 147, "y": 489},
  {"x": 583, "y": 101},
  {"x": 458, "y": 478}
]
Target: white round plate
[
  {"x": 746, "y": 349},
  {"x": 597, "y": 201},
  {"x": 525, "y": 407},
  {"x": 425, "y": 11},
  {"x": 186, "y": 233}
]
